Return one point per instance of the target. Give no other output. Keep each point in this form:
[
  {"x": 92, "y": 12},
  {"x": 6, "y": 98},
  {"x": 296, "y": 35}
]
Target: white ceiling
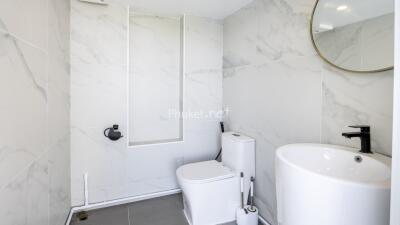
[
  {"x": 357, "y": 10},
  {"x": 216, "y": 9}
]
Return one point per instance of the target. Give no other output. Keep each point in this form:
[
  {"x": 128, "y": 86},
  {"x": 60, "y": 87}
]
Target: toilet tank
[{"x": 238, "y": 153}]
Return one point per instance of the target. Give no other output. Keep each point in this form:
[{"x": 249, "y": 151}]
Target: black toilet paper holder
[{"x": 112, "y": 133}]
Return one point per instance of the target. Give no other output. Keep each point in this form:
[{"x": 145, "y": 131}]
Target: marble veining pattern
[
  {"x": 105, "y": 43},
  {"x": 99, "y": 82},
  {"x": 34, "y": 150},
  {"x": 280, "y": 92},
  {"x": 20, "y": 60},
  {"x": 353, "y": 99},
  {"x": 26, "y": 197},
  {"x": 26, "y": 20},
  {"x": 155, "y": 78},
  {"x": 365, "y": 45}
]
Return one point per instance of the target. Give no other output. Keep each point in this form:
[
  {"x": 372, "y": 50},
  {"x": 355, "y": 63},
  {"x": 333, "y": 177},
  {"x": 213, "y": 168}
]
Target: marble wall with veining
[
  {"x": 365, "y": 45},
  {"x": 155, "y": 79},
  {"x": 279, "y": 91},
  {"x": 34, "y": 112},
  {"x": 99, "y": 75}
]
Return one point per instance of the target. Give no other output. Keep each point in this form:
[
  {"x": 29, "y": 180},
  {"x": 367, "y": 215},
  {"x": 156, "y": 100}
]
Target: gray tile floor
[{"x": 159, "y": 211}]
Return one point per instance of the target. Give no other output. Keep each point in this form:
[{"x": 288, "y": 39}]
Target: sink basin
[{"x": 331, "y": 185}]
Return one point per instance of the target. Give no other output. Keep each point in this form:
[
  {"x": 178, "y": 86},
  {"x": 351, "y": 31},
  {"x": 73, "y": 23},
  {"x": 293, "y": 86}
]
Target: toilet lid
[{"x": 203, "y": 172}]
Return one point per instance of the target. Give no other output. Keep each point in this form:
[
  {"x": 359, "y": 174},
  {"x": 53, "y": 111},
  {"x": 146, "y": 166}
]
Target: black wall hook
[{"x": 112, "y": 133}]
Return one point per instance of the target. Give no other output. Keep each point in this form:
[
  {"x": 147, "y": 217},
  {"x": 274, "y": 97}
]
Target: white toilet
[{"x": 211, "y": 189}]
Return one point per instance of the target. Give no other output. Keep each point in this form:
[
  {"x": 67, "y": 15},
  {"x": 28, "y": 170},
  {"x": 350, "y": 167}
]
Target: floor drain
[
  {"x": 82, "y": 215},
  {"x": 358, "y": 159}
]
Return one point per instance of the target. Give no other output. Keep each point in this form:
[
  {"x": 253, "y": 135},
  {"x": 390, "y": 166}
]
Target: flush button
[{"x": 236, "y": 135}]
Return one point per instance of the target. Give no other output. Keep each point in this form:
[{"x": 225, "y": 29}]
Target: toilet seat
[
  {"x": 210, "y": 192},
  {"x": 204, "y": 172},
  {"x": 211, "y": 189}
]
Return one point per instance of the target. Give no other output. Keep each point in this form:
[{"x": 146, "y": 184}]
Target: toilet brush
[
  {"x": 249, "y": 214},
  {"x": 252, "y": 208},
  {"x": 241, "y": 190}
]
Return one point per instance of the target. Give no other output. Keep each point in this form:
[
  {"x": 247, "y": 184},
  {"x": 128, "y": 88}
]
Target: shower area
[
  {"x": 155, "y": 78},
  {"x": 158, "y": 76}
]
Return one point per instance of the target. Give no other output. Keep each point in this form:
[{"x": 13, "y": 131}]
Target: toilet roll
[{"x": 249, "y": 218}]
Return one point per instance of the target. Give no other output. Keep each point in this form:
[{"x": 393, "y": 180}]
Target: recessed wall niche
[{"x": 155, "y": 78}]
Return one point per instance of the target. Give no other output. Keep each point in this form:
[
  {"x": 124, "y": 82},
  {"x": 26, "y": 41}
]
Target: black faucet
[{"x": 364, "y": 135}]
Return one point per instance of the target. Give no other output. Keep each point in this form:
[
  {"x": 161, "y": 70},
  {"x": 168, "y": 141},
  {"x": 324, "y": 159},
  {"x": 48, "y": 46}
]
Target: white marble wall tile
[
  {"x": 102, "y": 159},
  {"x": 139, "y": 187},
  {"x": 26, "y": 19},
  {"x": 203, "y": 88},
  {"x": 275, "y": 104},
  {"x": 365, "y": 45},
  {"x": 203, "y": 95},
  {"x": 58, "y": 110},
  {"x": 96, "y": 88},
  {"x": 155, "y": 78},
  {"x": 120, "y": 172},
  {"x": 34, "y": 150},
  {"x": 279, "y": 88},
  {"x": 286, "y": 94},
  {"x": 353, "y": 99},
  {"x": 267, "y": 30},
  {"x": 378, "y": 42},
  {"x": 59, "y": 155},
  {"x": 99, "y": 92},
  {"x": 23, "y": 105},
  {"x": 240, "y": 37},
  {"x": 98, "y": 33},
  {"x": 59, "y": 70},
  {"x": 98, "y": 98},
  {"x": 342, "y": 46},
  {"x": 298, "y": 6},
  {"x": 203, "y": 37},
  {"x": 202, "y": 140},
  {"x": 160, "y": 163},
  {"x": 25, "y": 200},
  {"x": 283, "y": 29},
  {"x": 203, "y": 75},
  {"x": 59, "y": 181}
]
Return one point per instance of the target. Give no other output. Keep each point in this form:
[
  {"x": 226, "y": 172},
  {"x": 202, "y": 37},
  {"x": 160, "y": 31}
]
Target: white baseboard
[{"x": 121, "y": 201}]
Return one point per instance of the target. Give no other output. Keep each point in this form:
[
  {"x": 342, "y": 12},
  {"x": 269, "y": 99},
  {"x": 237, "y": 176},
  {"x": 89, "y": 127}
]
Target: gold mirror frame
[{"x": 329, "y": 62}]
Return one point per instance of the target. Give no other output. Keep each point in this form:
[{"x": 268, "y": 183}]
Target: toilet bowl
[{"x": 211, "y": 189}]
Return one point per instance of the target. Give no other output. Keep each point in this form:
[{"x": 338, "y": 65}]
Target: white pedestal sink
[{"x": 331, "y": 185}]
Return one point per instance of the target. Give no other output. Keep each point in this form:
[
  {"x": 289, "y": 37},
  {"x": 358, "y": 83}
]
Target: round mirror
[{"x": 354, "y": 35}]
